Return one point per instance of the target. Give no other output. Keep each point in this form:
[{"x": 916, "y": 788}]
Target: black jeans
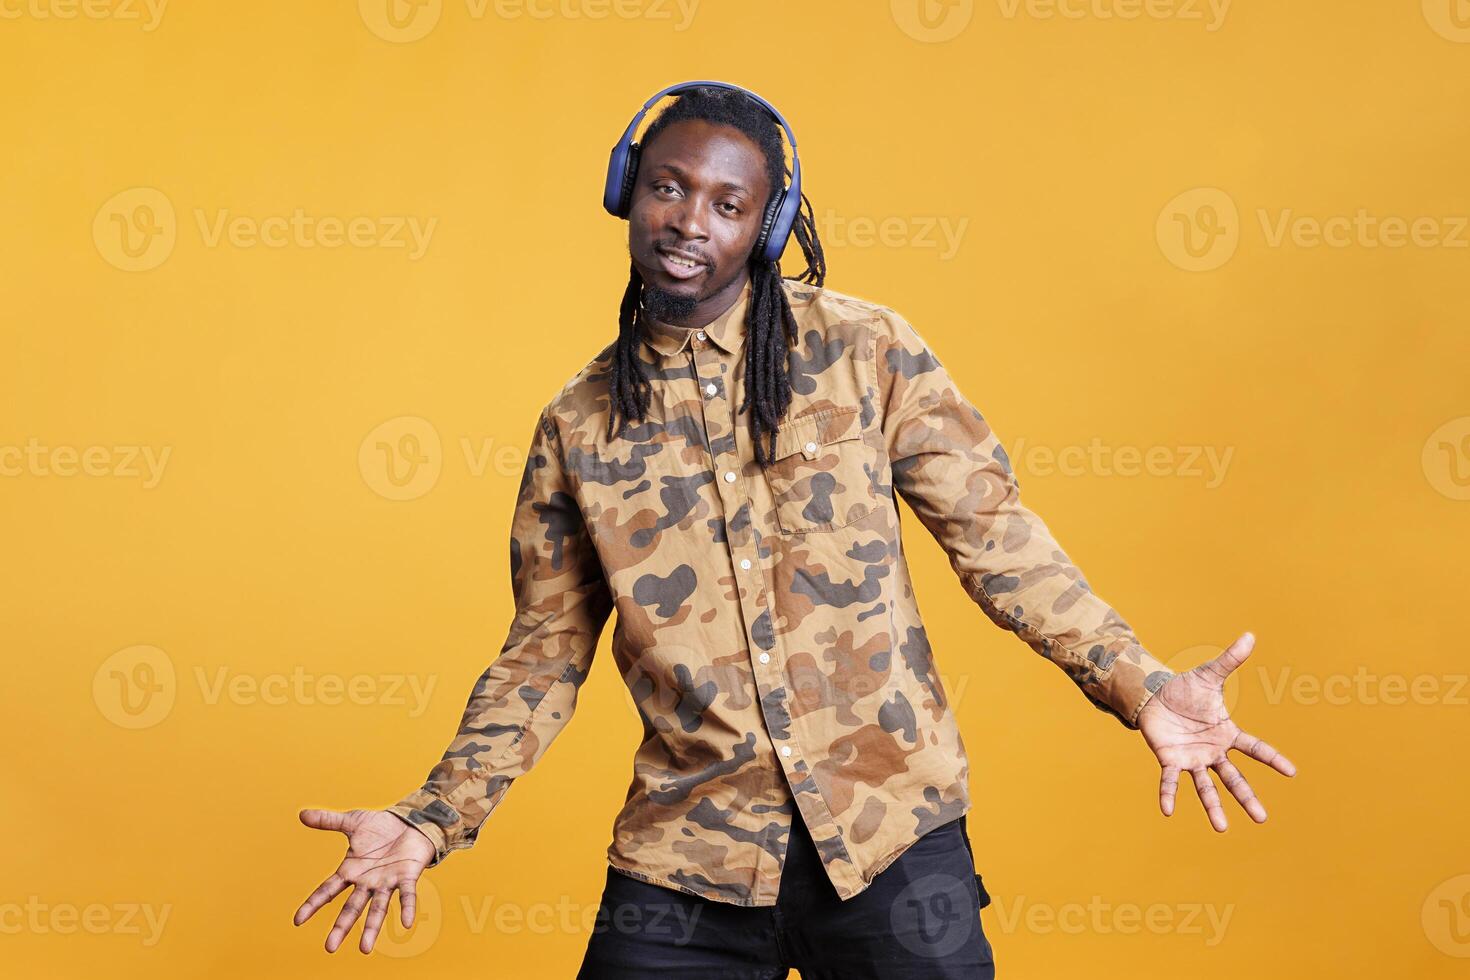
[{"x": 920, "y": 917}]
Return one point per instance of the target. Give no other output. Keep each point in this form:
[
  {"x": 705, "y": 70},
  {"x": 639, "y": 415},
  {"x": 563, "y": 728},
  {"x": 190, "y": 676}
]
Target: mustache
[{"x": 676, "y": 247}]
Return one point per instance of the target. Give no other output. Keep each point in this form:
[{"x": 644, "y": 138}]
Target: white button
[
  {"x": 729, "y": 477},
  {"x": 765, "y": 658},
  {"x": 710, "y": 388},
  {"x": 700, "y": 335},
  {"x": 785, "y": 750},
  {"x": 745, "y": 563},
  {"x": 811, "y": 447}
]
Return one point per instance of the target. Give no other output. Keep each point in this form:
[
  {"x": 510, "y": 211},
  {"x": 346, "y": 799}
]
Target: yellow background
[{"x": 1071, "y": 311}]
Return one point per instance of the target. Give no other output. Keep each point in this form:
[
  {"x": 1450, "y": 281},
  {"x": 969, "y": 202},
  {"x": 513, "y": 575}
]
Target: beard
[{"x": 661, "y": 304}]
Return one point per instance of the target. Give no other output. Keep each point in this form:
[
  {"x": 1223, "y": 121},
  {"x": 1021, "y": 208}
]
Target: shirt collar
[{"x": 727, "y": 330}]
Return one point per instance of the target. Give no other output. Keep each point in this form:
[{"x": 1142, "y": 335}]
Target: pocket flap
[{"x": 807, "y": 434}]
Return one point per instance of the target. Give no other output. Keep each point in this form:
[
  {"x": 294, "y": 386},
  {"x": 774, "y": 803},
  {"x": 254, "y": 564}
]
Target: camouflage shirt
[{"x": 767, "y": 627}]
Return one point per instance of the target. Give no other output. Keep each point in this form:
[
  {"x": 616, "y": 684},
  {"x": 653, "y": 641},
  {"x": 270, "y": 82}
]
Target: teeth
[{"x": 678, "y": 260}]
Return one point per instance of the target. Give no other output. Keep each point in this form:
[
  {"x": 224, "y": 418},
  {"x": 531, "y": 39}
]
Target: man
[{"x": 725, "y": 475}]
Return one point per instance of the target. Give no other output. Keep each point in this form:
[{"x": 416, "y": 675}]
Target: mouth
[{"x": 679, "y": 265}]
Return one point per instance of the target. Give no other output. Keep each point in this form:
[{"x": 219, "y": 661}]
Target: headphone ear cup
[
  {"x": 630, "y": 175},
  {"x": 767, "y": 221}
]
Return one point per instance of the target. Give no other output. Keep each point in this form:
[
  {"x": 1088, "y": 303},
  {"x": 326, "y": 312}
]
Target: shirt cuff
[
  {"x": 435, "y": 818},
  {"x": 1130, "y": 680}
]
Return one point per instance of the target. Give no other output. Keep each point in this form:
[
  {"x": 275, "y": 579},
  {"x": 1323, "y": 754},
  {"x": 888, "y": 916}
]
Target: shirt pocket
[{"x": 819, "y": 474}]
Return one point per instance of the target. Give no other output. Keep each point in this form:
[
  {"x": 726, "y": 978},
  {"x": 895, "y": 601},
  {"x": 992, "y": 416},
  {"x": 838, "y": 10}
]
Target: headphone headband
[{"x": 780, "y": 216}]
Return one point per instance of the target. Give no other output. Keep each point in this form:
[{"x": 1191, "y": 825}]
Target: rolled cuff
[
  {"x": 1127, "y": 683},
  {"x": 435, "y": 819}
]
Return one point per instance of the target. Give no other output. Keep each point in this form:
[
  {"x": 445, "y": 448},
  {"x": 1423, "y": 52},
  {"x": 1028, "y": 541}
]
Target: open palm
[
  {"x": 1187, "y": 727},
  {"x": 383, "y": 853}
]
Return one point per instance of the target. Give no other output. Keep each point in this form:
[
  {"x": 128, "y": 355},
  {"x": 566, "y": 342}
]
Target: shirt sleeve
[
  {"x": 525, "y": 697},
  {"x": 957, "y": 478}
]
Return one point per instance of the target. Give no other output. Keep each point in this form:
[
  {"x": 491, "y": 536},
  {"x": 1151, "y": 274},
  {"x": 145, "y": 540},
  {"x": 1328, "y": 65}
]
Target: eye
[
  {"x": 664, "y": 186},
  {"x": 734, "y": 208}
]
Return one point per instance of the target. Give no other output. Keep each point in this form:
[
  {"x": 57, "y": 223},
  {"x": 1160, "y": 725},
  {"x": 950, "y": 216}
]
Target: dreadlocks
[{"x": 771, "y": 327}]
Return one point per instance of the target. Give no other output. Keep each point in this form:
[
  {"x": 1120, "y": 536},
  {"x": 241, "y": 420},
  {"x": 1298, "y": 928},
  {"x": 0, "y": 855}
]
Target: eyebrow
[{"x": 682, "y": 175}]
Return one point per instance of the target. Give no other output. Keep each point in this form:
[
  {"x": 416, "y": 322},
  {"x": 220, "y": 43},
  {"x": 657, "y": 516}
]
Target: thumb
[
  {"x": 1233, "y": 656},
  {"x": 325, "y": 819}
]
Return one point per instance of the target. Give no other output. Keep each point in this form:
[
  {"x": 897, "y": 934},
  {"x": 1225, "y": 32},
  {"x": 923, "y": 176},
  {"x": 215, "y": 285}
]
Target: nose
[{"x": 686, "y": 216}]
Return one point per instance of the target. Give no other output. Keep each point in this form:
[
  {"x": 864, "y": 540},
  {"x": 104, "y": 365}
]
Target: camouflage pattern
[{"x": 767, "y": 627}]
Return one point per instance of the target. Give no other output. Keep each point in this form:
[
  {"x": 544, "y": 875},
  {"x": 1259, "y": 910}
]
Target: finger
[
  {"x": 1261, "y": 752},
  {"x": 1205, "y": 787},
  {"x": 324, "y": 893},
  {"x": 1240, "y": 788},
  {"x": 374, "y": 920},
  {"x": 1168, "y": 786},
  {"x": 351, "y": 909},
  {"x": 1232, "y": 656},
  {"x": 408, "y": 902},
  {"x": 324, "y": 819}
]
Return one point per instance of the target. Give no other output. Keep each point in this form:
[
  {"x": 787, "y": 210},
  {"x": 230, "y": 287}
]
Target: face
[{"x": 697, "y": 205}]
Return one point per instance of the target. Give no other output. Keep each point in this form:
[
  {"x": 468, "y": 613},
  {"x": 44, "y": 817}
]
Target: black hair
[{"x": 771, "y": 327}]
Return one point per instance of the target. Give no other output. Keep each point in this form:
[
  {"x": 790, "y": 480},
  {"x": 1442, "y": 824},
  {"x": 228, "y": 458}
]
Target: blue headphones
[{"x": 622, "y": 171}]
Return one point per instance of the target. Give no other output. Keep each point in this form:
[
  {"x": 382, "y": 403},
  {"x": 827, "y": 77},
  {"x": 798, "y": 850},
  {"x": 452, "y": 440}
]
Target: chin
[{"x": 657, "y": 278}]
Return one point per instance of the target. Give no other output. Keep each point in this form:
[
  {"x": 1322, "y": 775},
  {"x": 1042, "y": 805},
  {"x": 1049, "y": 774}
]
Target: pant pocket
[{"x": 981, "y": 895}]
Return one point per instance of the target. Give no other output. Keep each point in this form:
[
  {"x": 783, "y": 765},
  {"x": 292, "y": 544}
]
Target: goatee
[{"x": 670, "y": 307}]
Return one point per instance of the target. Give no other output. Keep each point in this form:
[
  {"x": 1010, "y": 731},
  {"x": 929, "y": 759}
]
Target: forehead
[{"x": 713, "y": 149}]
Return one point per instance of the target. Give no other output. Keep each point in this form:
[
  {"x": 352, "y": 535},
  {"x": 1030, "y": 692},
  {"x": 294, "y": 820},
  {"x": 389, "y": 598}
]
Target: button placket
[
  {"x": 707, "y": 361},
  {"x": 707, "y": 358}
]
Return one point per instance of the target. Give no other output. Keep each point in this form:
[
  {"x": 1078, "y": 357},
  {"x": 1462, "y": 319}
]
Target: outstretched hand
[
  {"x": 383, "y": 853},
  {"x": 1186, "y": 725}
]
